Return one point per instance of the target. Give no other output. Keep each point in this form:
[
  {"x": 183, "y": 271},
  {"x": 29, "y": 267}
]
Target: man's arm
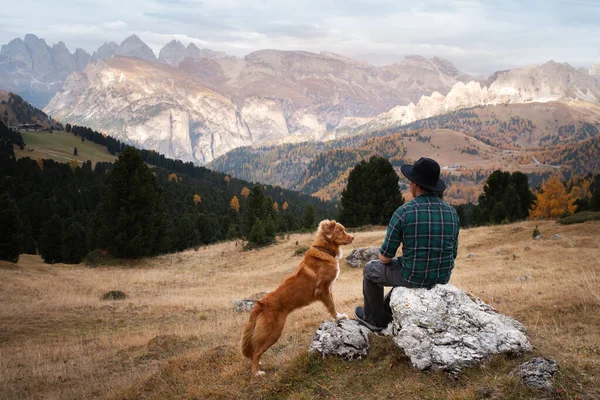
[{"x": 393, "y": 238}]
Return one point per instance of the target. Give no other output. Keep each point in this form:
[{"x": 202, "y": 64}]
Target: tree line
[{"x": 64, "y": 210}]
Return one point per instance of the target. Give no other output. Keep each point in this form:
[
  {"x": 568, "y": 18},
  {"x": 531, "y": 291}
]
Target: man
[{"x": 428, "y": 229}]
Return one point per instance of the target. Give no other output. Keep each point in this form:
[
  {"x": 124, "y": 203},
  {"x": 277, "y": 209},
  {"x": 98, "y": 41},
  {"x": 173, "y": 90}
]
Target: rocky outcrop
[
  {"x": 174, "y": 52},
  {"x": 534, "y": 83},
  {"x": 247, "y": 304},
  {"x": 537, "y": 373},
  {"x": 174, "y": 115},
  {"x": 344, "y": 338},
  {"x": 269, "y": 97},
  {"x": 35, "y": 70},
  {"x": 360, "y": 256},
  {"x": 595, "y": 70},
  {"x": 443, "y": 328}
]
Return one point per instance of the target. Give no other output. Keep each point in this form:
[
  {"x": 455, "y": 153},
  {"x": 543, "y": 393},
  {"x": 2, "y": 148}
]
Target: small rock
[
  {"x": 362, "y": 255},
  {"x": 246, "y": 305},
  {"x": 501, "y": 252},
  {"x": 345, "y": 338},
  {"x": 556, "y": 236},
  {"x": 515, "y": 256},
  {"x": 527, "y": 248},
  {"x": 538, "y": 237},
  {"x": 523, "y": 278},
  {"x": 516, "y": 228},
  {"x": 471, "y": 255},
  {"x": 537, "y": 373}
]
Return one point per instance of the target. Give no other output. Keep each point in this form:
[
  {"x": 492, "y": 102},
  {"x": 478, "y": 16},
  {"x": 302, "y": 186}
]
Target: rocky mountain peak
[
  {"x": 445, "y": 66},
  {"x": 172, "y": 53},
  {"x": 107, "y": 50},
  {"x": 413, "y": 60},
  {"x": 133, "y": 46},
  {"x": 595, "y": 70}
]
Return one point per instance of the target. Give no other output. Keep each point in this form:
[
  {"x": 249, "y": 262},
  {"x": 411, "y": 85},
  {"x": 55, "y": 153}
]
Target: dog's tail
[{"x": 247, "y": 347}]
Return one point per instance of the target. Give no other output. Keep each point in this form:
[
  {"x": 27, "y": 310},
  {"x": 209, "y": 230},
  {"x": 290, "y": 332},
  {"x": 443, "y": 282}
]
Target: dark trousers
[{"x": 376, "y": 275}]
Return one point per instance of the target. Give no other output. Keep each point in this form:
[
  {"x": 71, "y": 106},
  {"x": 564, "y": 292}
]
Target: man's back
[{"x": 428, "y": 229}]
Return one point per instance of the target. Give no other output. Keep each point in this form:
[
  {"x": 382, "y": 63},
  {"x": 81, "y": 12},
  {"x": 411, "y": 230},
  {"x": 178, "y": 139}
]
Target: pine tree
[
  {"x": 505, "y": 197},
  {"x": 372, "y": 194},
  {"x": 10, "y": 229},
  {"x": 74, "y": 151},
  {"x": 50, "y": 245},
  {"x": 270, "y": 229},
  {"x": 74, "y": 243},
  {"x": 257, "y": 236},
  {"x": 130, "y": 216},
  {"x": 308, "y": 220}
]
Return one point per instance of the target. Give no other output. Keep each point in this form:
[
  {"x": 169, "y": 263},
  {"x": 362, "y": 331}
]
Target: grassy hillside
[
  {"x": 176, "y": 335},
  {"x": 59, "y": 146},
  {"x": 15, "y": 111},
  {"x": 477, "y": 139}
]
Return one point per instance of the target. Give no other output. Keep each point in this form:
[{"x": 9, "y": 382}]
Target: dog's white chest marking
[{"x": 337, "y": 274}]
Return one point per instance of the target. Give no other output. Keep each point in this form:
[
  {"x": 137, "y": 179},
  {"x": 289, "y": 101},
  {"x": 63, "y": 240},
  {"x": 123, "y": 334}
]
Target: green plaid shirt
[{"x": 428, "y": 229}]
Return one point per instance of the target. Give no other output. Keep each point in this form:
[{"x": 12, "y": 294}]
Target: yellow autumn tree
[
  {"x": 40, "y": 163},
  {"x": 197, "y": 199},
  {"x": 285, "y": 206},
  {"x": 227, "y": 179},
  {"x": 73, "y": 164},
  {"x": 276, "y": 207},
  {"x": 553, "y": 200},
  {"x": 235, "y": 203},
  {"x": 173, "y": 177},
  {"x": 245, "y": 192}
]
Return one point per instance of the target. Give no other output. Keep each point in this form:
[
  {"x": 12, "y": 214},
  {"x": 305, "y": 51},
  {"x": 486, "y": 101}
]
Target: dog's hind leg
[{"x": 265, "y": 335}]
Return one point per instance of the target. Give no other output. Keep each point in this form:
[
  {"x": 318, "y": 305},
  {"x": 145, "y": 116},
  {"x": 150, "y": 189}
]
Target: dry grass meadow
[{"x": 176, "y": 335}]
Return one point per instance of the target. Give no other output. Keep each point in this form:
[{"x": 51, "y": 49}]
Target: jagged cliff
[
  {"x": 197, "y": 105},
  {"x": 534, "y": 83}
]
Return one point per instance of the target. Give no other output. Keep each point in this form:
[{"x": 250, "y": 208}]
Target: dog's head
[{"x": 335, "y": 232}]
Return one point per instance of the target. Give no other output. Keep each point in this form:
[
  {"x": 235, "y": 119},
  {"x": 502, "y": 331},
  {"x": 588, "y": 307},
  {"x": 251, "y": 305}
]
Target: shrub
[
  {"x": 579, "y": 218},
  {"x": 114, "y": 295},
  {"x": 301, "y": 250},
  {"x": 536, "y": 232},
  {"x": 100, "y": 257}
]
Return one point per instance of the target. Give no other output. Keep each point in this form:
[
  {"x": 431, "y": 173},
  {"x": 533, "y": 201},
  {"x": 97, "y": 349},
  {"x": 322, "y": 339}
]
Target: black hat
[{"x": 425, "y": 173}]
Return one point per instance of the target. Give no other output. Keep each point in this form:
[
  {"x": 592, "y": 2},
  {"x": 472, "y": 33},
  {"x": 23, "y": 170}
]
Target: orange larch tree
[
  {"x": 235, "y": 204},
  {"x": 553, "y": 200}
]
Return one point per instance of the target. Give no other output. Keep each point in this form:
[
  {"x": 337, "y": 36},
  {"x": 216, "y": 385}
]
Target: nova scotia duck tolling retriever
[{"x": 313, "y": 280}]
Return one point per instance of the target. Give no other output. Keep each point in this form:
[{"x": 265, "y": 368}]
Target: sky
[{"x": 479, "y": 37}]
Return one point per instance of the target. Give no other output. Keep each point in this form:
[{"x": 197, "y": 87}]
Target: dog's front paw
[
  {"x": 260, "y": 374},
  {"x": 340, "y": 316}
]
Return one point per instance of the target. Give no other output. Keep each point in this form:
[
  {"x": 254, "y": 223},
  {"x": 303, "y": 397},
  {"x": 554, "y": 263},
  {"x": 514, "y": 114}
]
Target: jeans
[{"x": 376, "y": 275}]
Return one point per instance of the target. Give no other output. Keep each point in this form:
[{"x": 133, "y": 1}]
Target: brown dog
[{"x": 312, "y": 281}]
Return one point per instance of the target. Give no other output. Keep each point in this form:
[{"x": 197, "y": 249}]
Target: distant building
[{"x": 29, "y": 127}]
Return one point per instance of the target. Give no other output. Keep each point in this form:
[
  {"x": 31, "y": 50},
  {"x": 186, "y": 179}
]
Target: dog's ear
[{"x": 328, "y": 227}]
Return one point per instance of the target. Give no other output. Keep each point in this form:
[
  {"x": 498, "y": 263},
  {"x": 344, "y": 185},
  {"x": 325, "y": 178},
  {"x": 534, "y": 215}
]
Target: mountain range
[{"x": 197, "y": 104}]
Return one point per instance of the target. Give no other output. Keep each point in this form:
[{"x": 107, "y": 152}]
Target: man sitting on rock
[{"x": 428, "y": 229}]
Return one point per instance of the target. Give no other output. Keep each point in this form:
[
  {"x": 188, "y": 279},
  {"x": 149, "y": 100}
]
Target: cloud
[
  {"x": 114, "y": 25},
  {"x": 478, "y": 36}
]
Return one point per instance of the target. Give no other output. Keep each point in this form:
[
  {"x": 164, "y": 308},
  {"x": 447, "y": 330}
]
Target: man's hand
[{"x": 384, "y": 259}]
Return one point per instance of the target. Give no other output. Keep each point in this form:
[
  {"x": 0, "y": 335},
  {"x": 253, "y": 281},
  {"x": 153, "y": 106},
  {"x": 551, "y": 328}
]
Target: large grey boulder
[
  {"x": 345, "y": 338},
  {"x": 362, "y": 255},
  {"x": 443, "y": 328},
  {"x": 537, "y": 373}
]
